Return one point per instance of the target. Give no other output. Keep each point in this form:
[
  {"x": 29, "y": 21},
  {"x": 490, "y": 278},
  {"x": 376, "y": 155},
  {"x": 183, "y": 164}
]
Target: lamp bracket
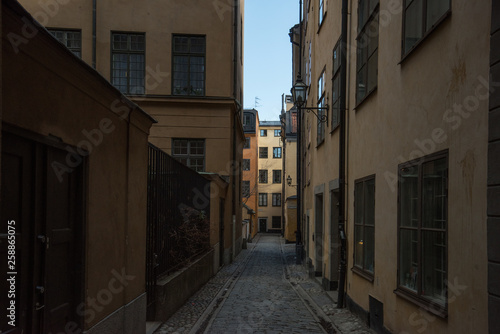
[{"x": 322, "y": 118}]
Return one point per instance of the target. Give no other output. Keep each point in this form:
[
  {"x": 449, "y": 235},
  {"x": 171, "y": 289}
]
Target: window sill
[
  {"x": 367, "y": 96},
  {"x": 322, "y": 22},
  {"x": 406, "y": 55},
  {"x": 335, "y": 128},
  {"x": 367, "y": 276},
  {"x": 320, "y": 143},
  {"x": 426, "y": 305}
]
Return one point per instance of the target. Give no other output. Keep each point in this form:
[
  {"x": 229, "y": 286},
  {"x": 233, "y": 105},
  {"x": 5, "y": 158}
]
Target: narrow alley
[{"x": 263, "y": 291}]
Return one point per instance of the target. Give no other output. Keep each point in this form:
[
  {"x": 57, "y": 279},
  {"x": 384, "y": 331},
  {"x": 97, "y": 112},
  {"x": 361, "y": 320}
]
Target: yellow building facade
[{"x": 416, "y": 120}]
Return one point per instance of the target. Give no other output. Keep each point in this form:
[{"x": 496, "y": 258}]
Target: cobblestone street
[{"x": 263, "y": 291}]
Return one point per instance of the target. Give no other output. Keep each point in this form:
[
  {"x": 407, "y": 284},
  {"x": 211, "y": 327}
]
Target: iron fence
[{"x": 178, "y": 216}]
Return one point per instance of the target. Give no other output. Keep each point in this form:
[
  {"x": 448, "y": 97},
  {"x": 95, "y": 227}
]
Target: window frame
[
  {"x": 189, "y": 54},
  {"x": 425, "y": 32},
  {"x": 279, "y": 155},
  {"x": 188, "y": 155},
  {"x": 245, "y": 184},
  {"x": 276, "y": 198},
  {"x": 263, "y": 155},
  {"x": 417, "y": 297},
  {"x": 246, "y": 145},
  {"x": 335, "y": 121},
  {"x": 263, "y": 176},
  {"x": 262, "y": 199},
  {"x": 361, "y": 270},
  {"x": 362, "y": 31},
  {"x": 320, "y": 128},
  {"x": 321, "y": 12},
  {"x": 65, "y": 31},
  {"x": 263, "y": 133},
  {"x": 128, "y": 52},
  {"x": 273, "y": 218},
  {"x": 278, "y": 132},
  {"x": 245, "y": 164},
  {"x": 276, "y": 172}
]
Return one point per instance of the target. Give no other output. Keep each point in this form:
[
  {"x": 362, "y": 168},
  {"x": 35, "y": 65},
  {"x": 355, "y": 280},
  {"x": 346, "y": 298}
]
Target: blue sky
[{"x": 268, "y": 54}]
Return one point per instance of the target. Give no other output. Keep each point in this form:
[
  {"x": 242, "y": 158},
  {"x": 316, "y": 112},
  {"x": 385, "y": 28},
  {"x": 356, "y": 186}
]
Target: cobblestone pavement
[
  {"x": 263, "y": 291},
  {"x": 262, "y": 300}
]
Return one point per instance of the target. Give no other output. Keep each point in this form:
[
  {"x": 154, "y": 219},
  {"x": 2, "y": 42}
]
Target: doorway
[
  {"x": 262, "y": 225},
  {"x": 46, "y": 215},
  {"x": 318, "y": 235}
]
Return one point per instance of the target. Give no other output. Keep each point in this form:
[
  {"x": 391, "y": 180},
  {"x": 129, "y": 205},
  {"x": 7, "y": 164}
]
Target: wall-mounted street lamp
[
  {"x": 289, "y": 182},
  {"x": 299, "y": 91}
]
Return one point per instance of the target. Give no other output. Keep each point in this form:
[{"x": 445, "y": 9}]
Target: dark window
[
  {"x": 262, "y": 175},
  {"x": 262, "y": 199},
  {"x": 263, "y": 152},
  {"x": 245, "y": 189},
  {"x": 246, "y": 164},
  {"x": 247, "y": 119},
  {"x": 188, "y": 65},
  {"x": 277, "y": 152},
  {"x": 364, "y": 225},
  {"x": 321, "y": 104},
  {"x": 277, "y": 199},
  {"x": 423, "y": 218},
  {"x": 336, "y": 86},
  {"x": 277, "y": 176},
  {"x": 263, "y": 133},
  {"x": 247, "y": 143},
  {"x": 191, "y": 152},
  {"x": 127, "y": 65},
  {"x": 277, "y": 133},
  {"x": 420, "y": 17},
  {"x": 276, "y": 222},
  {"x": 367, "y": 48},
  {"x": 72, "y": 39}
]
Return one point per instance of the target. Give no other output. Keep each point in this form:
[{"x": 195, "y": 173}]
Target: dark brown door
[{"x": 47, "y": 208}]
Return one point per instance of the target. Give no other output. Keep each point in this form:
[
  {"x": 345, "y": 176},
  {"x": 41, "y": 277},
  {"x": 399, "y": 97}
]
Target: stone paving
[
  {"x": 263, "y": 291},
  {"x": 262, "y": 300}
]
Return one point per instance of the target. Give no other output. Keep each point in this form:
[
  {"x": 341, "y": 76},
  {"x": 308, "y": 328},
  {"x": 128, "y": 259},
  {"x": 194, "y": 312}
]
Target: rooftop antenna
[{"x": 256, "y": 104}]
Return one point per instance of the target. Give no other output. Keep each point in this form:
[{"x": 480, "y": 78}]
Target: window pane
[
  {"x": 369, "y": 248},
  {"x": 434, "y": 194},
  {"x": 359, "y": 244},
  {"x": 361, "y": 84},
  {"x": 362, "y": 13},
  {"x": 434, "y": 266},
  {"x": 409, "y": 196},
  {"x": 413, "y": 24},
  {"x": 436, "y": 9},
  {"x": 369, "y": 195},
  {"x": 408, "y": 259},
  {"x": 372, "y": 71}
]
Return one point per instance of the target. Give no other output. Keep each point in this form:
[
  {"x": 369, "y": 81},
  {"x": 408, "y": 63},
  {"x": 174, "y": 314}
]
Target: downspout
[
  {"x": 342, "y": 149},
  {"x": 235, "y": 120},
  {"x": 283, "y": 167},
  {"x": 299, "y": 244},
  {"x": 94, "y": 33}
]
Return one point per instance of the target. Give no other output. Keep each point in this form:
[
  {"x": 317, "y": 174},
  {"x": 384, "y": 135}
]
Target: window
[
  {"x": 247, "y": 119},
  {"x": 127, "y": 64},
  {"x": 364, "y": 225},
  {"x": 246, "y": 164},
  {"x": 72, "y": 39},
  {"x": 277, "y": 152},
  {"x": 367, "y": 57},
  {"x": 263, "y": 133},
  {"x": 262, "y": 199},
  {"x": 423, "y": 202},
  {"x": 191, "y": 152},
  {"x": 322, "y": 11},
  {"x": 276, "y": 222},
  {"x": 277, "y": 199},
  {"x": 277, "y": 133},
  {"x": 277, "y": 176},
  {"x": 188, "y": 65},
  {"x": 321, "y": 104},
  {"x": 420, "y": 17},
  {"x": 336, "y": 86},
  {"x": 262, "y": 175},
  {"x": 263, "y": 152},
  {"x": 247, "y": 142},
  {"x": 245, "y": 189}
]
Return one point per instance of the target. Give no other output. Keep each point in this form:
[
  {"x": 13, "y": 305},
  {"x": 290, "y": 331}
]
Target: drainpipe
[
  {"x": 235, "y": 120},
  {"x": 283, "y": 168},
  {"x": 94, "y": 32},
  {"x": 298, "y": 243},
  {"x": 342, "y": 149}
]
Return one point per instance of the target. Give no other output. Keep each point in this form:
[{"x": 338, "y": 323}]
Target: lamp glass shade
[
  {"x": 299, "y": 93},
  {"x": 289, "y": 180}
]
